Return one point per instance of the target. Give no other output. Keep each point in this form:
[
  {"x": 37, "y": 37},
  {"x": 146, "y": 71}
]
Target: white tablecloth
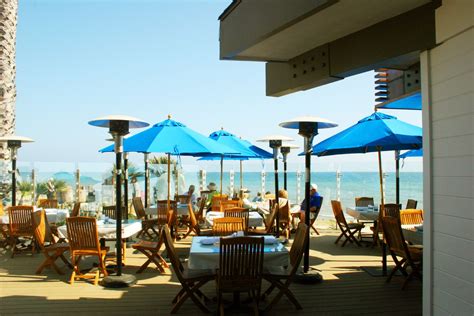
[
  {"x": 207, "y": 256},
  {"x": 363, "y": 213},
  {"x": 255, "y": 220},
  {"x": 52, "y": 214},
  {"x": 182, "y": 210},
  {"x": 108, "y": 231}
]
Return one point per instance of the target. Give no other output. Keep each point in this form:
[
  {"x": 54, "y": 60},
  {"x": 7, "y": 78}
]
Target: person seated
[
  {"x": 192, "y": 196},
  {"x": 212, "y": 188},
  {"x": 314, "y": 201},
  {"x": 282, "y": 201},
  {"x": 246, "y": 202},
  {"x": 258, "y": 198}
]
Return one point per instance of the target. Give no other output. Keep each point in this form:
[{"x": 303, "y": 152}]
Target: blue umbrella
[
  {"x": 412, "y": 153},
  {"x": 407, "y": 102},
  {"x": 245, "y": 149},
  {"x": 375, "y": 133},
  {"x": 172, "y": 138}
]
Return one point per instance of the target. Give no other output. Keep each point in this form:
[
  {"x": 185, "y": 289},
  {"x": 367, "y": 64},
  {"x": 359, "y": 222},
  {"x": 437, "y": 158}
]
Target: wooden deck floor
[{"x": 346, "y": 289}]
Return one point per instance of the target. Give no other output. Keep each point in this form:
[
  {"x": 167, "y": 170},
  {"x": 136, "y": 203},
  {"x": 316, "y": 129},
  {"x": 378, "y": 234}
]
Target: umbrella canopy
[
  {"x": 376, "y": 132},
  {"x": 407, "y": 102},
  {"x": 412, "y": 153},
  {"x": 174, "y": 138},
  {"x": 244, "y": 148}
]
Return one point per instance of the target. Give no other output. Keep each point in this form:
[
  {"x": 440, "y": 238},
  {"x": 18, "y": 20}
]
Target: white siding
[{"x": 451, "y": 159}]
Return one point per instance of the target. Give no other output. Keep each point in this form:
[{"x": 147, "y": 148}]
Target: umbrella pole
[
  {"x": 147, "y": 175},
  {"x": 277, "y": 200},
  {"x": 397, "y": 176},
  {"x": 382, "y": 213},
  {"x": 14, "y": 179},
  {"x": 285, "y": 176},
  {"x": 222, "y": 170},
  {"x": 241, "y": 178},
  {"x": 125, "y": 183},
  {"x": 169, "y": 180}
]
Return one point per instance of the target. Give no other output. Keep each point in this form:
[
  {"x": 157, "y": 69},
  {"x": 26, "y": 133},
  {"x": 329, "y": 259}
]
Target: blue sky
[{"x": 78, "y": 60}]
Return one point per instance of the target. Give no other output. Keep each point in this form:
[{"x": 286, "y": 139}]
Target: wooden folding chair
[
  {"x": 240, "y": 268},
  {"x": 239, "y": 212},
  {"x": 20, "y": 226},
  {"x": 76, "y": 209},
  {"x": 411, "y": 217},
  {"x": 151, "y": 250},
  {"x": 183, "y": 198},
  {"x": 216, "y": 202},
  {"x": 48, "y": 203},
  {"x": 225, "y": 204},
  {"x": 227, "y": 225},
  {"x": 84, "y": 241},
  {"x": 191, "y": 280},
  {"x": 202, "y": 205},
  {"x": 411, "y": 204},
  {"x": 109, "y": 211},
  {"x": 364, "y": 201},
  {"x": 348, "y": 230},
  {"x": 391, "y": 209},
  {"x": 281, "y": 277},
  {"x": 269, "y": 224},
  {"x": 411, "y": 256},
  {"x": 44, "y": 238},
  {"x": 314, "y": 217},
  {"x": 147, "y": 223},
  {"x": 193, "y": 226},
  {"x": 284, "y": 219}
]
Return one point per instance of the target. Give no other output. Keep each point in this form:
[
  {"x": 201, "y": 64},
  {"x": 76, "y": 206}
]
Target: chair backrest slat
[
  {"x": 411, "y": 217},
  {"x": 183, "y": 198},
  {"x": 226, "y": 204},
  {"x": 364, "y": 201},
  {"x": 76, "y": 209},
  {"x": 299, "y": 244},
  {"x": 48, "y": 203},
  {"x": 41, "y": 228},
  {"x": 216, "y": 201},
  {"x": 227, "y": 225},
  {"x": 138, "y": 207},
  {"x": 238, "y": 212},
  {"x": 240, "y": 262},
  {"x": 20, "y": 219},
  {"x": 392, "y": 210},
  {"x": 394, "y": 236},
  {"x": 82, "y": 233}
]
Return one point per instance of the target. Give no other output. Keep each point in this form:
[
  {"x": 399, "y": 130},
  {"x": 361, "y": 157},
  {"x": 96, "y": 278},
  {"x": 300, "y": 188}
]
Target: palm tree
[
  {"x": 161, "y": 160},
  {"x": 25, "y": 188},
  {"x": 8, "y": 20}
]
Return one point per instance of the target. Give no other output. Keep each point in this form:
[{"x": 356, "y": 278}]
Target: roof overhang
[{"x": 311, "y": 43}]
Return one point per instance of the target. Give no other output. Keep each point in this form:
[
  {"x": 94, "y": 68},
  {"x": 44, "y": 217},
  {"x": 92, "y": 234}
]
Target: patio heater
[
  {"x": 13, "y": 143},
  {"x": 275, "y": 142},
  {"x": 125, "y": 179},
  {"x": 285, "y": 150},
  {"x": 119, "y": 126},
  {"x": 308, "y": 127}
]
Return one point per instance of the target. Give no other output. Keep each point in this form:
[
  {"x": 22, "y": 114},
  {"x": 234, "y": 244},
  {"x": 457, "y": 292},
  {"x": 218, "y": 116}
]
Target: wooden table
[
  {"x": 207, "y": 256},
  {"x": 108, "y": 230}
]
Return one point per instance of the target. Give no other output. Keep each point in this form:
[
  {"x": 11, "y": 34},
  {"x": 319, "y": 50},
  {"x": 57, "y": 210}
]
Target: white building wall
[{"x": 449, "y": 123}]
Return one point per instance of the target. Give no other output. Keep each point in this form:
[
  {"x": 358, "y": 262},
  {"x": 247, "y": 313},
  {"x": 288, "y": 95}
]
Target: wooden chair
[
  {"x": 281, "y": 277},
  {"x": 200, "y": 213},
  {"x": 411, "y": 256},
  {"x": 20, "y": 226},
  {"x": 284, "y": 219},
  {"x": 269, "y": 224},
  {"x": 314, "y": 217},
  {"x": 76, "y": 209},
  {"x": 411, "y": 217},
  {"x": 411, "y": 204},
  {"x": 227, "y": 225},
  {"x": 240, "y": 268},
  {"x": 225, "y": 204},
  {"x": 48, "y": 203},
  {"x": 109, "y": 211},
  {"x": 348, "y": 230},
  {"x": 391, "y": 209},
  {"x": 193, "y": 226},
  {"x": 239, "y": 212},
  {"x": 44, "y": 238},
  {"x": 84, "y": 241},
  {"x": 364, "y": 201},
  {"x": 168, "y": 215},
  {"x": 147, "y": 223},
  {"x": 216, "y": 201},
  {"x": 191, "y": 280},
  {"x": 151, "y": 250}
]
